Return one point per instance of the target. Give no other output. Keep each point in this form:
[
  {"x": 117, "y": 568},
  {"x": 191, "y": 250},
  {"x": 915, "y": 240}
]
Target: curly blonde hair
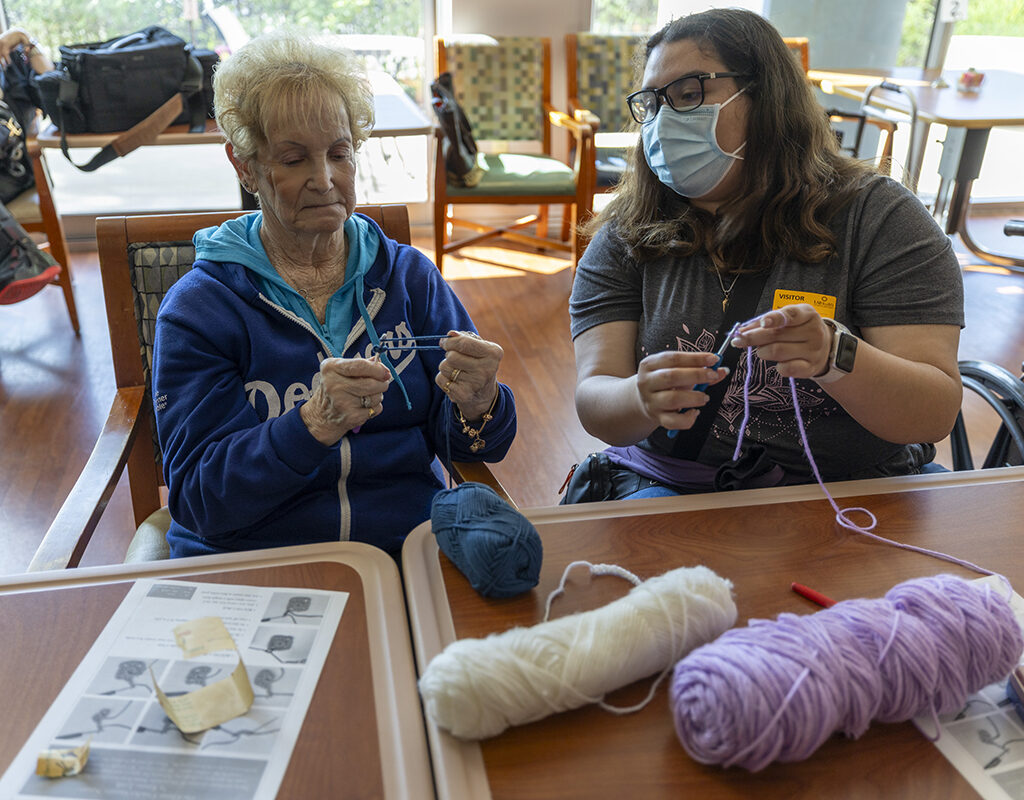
[{"x": 289, "y": 76}]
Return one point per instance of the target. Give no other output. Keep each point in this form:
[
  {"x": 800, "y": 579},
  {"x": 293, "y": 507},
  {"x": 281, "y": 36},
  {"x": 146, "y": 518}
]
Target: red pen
[{"x": 813, "y": 596}]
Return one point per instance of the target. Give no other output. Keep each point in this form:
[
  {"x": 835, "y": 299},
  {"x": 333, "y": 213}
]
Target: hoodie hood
[{"x": 238, "y": 241}]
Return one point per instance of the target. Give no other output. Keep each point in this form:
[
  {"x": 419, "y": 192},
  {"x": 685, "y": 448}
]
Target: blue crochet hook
[
  {"x": 720, "y": 355},
  {"x": 399, "y": 343}
]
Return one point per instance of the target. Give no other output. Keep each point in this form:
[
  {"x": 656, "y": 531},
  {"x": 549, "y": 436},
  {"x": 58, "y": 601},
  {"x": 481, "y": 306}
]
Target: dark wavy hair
[{"x": 793, "y": 180}]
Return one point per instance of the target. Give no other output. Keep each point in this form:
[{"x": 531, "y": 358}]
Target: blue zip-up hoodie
[{"x": 231, "y": 368}]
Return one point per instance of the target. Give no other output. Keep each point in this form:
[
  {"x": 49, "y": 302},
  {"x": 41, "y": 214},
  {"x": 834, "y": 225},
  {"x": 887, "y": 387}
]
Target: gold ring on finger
[
  {"x": 455, "y": 375},
  {"x": 447, "y": 386},
  {"x": 372, "y": 412}
]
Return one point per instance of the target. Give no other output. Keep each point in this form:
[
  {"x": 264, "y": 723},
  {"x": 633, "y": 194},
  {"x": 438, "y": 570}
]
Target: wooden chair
[
  {"x": 504, "y": 86},
  {"x": 800, "y": 46},
  {"x": 801, "y": 49},
  {"x": 600, "y": 72},
  {"x": 140, "y": 258},
  {"x": 35, "y": 211}
]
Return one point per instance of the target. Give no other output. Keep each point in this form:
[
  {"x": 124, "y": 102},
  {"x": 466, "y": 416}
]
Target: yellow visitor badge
[{"x": 824, "y": 304}]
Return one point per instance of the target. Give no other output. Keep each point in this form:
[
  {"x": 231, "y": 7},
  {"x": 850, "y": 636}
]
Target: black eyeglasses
[{"x": 682, "y": 94}]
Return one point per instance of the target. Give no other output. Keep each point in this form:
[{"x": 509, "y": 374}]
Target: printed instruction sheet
[
  {"x": 135, "y": 751},
  {"x": 985, "y": 739}
]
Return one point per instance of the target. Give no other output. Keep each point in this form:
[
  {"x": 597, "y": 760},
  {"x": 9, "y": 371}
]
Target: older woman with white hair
[{"x": 309, "y": 371}]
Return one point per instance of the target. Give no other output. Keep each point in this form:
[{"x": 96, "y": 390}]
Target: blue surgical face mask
[{"x": 682, "y": 149}]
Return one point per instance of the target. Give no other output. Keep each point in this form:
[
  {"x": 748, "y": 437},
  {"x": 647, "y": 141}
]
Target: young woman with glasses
[{"x": 738, "y": 205}]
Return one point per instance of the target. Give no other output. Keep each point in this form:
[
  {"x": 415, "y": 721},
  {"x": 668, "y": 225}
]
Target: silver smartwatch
[{"x": 841, "y": 354}]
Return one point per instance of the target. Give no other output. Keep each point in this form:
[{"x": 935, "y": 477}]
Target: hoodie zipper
[{"x": 345, "y": 445}]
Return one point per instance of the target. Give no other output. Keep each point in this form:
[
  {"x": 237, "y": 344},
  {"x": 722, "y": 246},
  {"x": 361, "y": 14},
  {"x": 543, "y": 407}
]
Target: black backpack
[
  {"x": 17, "y": 115},
  {"x": 459, "y": 146}
]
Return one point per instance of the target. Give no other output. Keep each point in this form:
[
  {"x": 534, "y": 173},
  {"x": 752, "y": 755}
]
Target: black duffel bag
[{"x": 140, "y": 83}]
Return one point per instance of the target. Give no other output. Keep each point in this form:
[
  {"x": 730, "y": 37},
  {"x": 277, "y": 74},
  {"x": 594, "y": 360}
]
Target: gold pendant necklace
[{"x": 725, "y": 292}]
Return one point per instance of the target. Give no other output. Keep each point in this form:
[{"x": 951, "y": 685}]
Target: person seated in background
[
  {"x": 21, "y": 57},
  {"x": 292, "y": 403},
  {"x": 737, "y": 188}
]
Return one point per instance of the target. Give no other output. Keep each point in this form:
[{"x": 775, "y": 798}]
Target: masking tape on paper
[
  {"x": 60, "y": 762},
  {"x": 215, "y": 704}
]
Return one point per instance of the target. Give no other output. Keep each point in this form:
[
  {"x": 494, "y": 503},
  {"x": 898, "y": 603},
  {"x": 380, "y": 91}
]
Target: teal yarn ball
[{"x": 490, "y": 542}]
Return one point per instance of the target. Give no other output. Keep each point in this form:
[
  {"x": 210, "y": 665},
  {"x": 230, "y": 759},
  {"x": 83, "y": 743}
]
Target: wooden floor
[{"x": 55, "y": 389}]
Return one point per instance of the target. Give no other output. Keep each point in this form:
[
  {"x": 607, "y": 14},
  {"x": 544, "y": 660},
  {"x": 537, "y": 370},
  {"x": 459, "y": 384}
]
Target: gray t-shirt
[{"x": 894, "y": 266}]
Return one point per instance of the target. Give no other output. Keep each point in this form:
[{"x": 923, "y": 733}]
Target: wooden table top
[
  {"x": 762, "y": 541},
  {"x": 362, "y": 736},
  {"x": 174, "y": 135},
  {"x": 1000, "y": 100}
]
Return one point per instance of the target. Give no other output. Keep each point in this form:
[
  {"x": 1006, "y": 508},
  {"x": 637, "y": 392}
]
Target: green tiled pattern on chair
[
  {"x": 605, "y": 76},
  {"x": 154, "y": 269},
  {"x": 499, "y": 85}
]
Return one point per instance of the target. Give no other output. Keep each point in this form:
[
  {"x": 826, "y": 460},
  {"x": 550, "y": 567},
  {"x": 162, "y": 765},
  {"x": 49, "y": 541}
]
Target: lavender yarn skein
[{"x": 776, "y": 690}]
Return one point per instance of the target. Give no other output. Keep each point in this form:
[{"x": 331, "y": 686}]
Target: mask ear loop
[{"x": 737, "y": 93}]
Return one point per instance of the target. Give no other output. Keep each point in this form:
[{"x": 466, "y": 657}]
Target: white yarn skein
[{"x": 476, "y": 688}]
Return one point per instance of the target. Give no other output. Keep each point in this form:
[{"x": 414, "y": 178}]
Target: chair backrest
[
  {"x": 601, "y": 71},
  {"x": 140, "y": 258},
  {"x": 503, "y": 83}
]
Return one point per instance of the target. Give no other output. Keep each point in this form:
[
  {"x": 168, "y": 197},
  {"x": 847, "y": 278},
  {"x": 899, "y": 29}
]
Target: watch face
[{"x": 846, "y": 352}]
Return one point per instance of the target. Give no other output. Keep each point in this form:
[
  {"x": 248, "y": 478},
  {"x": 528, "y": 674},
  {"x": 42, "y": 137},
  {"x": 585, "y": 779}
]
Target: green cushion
[{"x": 518, "y": 174}]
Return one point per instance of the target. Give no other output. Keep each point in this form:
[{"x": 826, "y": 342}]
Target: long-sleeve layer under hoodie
[{"x": 235, "y": 357}]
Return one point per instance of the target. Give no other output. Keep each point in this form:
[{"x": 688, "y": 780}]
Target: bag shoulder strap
[
  {"x": 146, "y": 131},
  {"x": 741, "y": 307}
]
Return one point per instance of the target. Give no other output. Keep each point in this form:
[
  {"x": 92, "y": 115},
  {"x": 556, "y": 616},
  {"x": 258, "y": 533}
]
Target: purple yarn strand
[
  {"x": 746, "y": 404},
  {"x": 842, "y": 514}
]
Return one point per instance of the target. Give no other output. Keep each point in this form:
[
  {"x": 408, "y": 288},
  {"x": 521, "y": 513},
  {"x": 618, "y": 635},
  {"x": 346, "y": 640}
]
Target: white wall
[{"x": 843, "y": 34}]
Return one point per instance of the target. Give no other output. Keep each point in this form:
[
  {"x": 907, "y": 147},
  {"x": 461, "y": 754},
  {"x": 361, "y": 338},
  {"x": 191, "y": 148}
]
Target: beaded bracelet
[{"x": 477, "y": 444}]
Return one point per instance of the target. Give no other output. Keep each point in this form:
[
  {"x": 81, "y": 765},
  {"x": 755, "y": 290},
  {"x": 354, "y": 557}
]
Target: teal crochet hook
[{"x": 720, "y": 353}]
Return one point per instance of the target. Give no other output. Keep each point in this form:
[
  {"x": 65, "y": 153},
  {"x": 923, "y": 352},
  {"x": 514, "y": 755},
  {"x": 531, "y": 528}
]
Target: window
[
  {"x": 917, "y": 31},
  {"x": 388, "y": 34},
  {"x": 623, "y": 16},
  {"x": 646, "y": 16}
]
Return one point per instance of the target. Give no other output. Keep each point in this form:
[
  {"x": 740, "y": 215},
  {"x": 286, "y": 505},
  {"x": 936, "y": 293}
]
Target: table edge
[
  {"x": 459, "y": 770},
  {"x": 400, "y": 731}
]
